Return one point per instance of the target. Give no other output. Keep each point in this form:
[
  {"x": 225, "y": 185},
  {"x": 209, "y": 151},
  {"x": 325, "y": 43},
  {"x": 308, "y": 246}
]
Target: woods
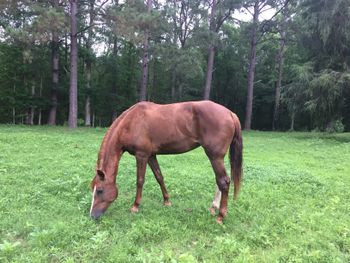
[{"x": 279, "y": 64}]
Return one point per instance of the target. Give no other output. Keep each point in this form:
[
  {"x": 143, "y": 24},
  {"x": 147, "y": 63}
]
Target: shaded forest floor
[{"x": 294, "y": 205}]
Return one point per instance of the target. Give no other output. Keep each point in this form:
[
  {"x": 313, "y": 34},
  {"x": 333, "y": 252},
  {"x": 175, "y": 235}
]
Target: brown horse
[{"x": 147, "y": 129}]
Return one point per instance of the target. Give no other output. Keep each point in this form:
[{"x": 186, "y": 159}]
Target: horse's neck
[
  {"x": 109, "y": 156},
  {"x": 111, "y": 150}
]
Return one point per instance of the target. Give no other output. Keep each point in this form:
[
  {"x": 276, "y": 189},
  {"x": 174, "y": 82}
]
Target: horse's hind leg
[
  {"x": 223, "y": 182},
  {"x": 153, "y": 163},
  {"x": 216, "y": 202}
]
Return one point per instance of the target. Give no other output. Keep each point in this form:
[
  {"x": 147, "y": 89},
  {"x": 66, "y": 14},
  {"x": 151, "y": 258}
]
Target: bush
[
  {"x": 81, "y": 122},
  {"x": 335, "y": 126}
]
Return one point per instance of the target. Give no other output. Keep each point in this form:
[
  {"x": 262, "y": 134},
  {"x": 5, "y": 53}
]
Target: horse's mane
[{"x": 103, "y": 154}]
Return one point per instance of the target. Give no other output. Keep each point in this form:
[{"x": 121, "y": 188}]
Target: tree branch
[
  {"x": 246, "y": 8},
  {"x": 269, "y": 20},
  {"x": 85, "y": 28}
]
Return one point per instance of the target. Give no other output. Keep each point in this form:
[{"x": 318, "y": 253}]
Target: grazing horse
[{"x": 147, "y": 129}]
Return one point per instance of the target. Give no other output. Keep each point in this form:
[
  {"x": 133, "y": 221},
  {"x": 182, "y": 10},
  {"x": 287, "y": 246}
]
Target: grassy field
[{"x": 294, "y": 205}]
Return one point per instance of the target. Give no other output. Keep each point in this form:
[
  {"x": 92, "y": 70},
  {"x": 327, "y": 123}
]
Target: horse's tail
[{"x": 236, "y": 158}]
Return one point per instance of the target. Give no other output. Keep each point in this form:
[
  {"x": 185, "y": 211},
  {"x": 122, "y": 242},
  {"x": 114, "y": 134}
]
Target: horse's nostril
[{"x": 96, "y": 214}]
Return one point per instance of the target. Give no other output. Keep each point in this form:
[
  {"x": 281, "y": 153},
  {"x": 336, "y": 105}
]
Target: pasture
[{"x": 294, "y": 204}]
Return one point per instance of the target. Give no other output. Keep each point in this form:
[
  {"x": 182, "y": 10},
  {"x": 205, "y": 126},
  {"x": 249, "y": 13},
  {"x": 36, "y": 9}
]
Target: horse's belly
[{"x": 176, "y": 147}]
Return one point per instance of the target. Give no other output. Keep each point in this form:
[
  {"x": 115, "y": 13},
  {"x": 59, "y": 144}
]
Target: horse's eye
[{"x": 99, "y": 191}]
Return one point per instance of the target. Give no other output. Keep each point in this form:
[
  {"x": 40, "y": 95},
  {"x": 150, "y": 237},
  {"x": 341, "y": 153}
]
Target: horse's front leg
[{"x": 141, "y": 163}]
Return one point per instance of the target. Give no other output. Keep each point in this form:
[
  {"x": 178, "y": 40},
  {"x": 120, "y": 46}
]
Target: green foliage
[
  {"x": 293, "y": 206},
  {"x": 36, "y": 22},
  {"x": 326, "y": 97},
  {"x": 315, "y": 84},
  {"x": 230, "y": 80},
  {"x": 336, "y": 126},
  {"x": 294, "y": 95},
  {"x": 328, "y": 22},
  {"x": 131, "y": 20}
]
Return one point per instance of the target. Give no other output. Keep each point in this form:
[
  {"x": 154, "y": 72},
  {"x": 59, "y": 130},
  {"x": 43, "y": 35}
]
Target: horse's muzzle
[{"x": 96, "y": 214}]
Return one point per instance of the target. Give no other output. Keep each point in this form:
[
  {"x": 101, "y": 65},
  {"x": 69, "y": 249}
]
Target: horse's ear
[{"x": 101, "y": 174}]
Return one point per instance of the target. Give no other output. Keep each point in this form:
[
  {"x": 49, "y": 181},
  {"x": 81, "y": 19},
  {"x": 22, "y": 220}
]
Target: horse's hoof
[
  {"x": 134, "y": 209},
  {"x": 167, "y": 203},
  {"x": 219, "y": 220},
  {"x": 212, "y": 211}
]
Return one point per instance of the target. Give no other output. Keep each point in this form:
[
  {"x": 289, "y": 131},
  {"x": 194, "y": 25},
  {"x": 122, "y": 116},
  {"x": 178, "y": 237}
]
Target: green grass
[{"x": 294, "y": 205}]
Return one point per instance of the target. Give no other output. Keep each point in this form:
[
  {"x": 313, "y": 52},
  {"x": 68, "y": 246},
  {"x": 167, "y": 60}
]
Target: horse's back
[
  {"x": 178, "y": 127},
  {"x": 190, "y": 118}
]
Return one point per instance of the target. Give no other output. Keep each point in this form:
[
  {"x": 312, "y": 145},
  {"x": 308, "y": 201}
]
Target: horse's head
[{"x": 104, "y": 193}]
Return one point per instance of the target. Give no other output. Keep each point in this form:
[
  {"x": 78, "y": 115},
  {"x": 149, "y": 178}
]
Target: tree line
[{"x": 84, "y": 62}]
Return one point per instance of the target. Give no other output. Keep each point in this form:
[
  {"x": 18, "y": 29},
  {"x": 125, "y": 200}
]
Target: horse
[{"x": 147, "y": 129}]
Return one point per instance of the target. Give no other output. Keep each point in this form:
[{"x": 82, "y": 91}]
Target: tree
[
  {"x": 185, "y": 18},
  {"x": 229, "y": 77},
  {"x": 135, "y": 22},
  {"x": 145, "y": 59},
  {"x": 280, "y": 62},
  {"x": 258, "y": 7},
  {"x": 325, "y": 38},
  {"x": 220, "y": 11},
  {"x": 88, "y": 63},
  {"x": 294, "y": 95},
  {"x": 310, "y": 45},
  {"x": 252, "y": 62},
  {"x": 326, "y": 97},
  {"x": 57, "y": 25},
  {"x": 73, "y": 88}
]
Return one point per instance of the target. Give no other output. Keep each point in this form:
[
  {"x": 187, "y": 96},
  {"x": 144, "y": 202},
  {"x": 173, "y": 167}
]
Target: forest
[{"x": 278, "y": 64}]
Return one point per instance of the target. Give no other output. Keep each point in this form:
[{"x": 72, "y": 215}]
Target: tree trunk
[
  {"x": 87, "y": 109},
  {"x": 180, "y": 91},
  {"x": 13, "y": 115},
  {"x": 280, "y": 61},
  {"x": 66, "y": 52},
  {"x": 173, "y": 85},
  {"x": 40, "y": 95},
  {"x": 211, "y": 53},
  {"x": 73, "y": 90},
  {"x": 31, "y": 110},
  {"x": 252, "y": 64},
  {"x": 143, "y": 90},
  {"x": 14, "y": 105},
  {"x": 292, "y": 120},
  {"x": 26, "y": 113},
  {"x": 55, "y": 75},
  {"x": 115, "y": 46},
  {"x": 89, "y": 65},
  {"x": 173, "y": 68},
  {"x": 154, "y": 82},
  {"x": 209, "y": 74}
]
